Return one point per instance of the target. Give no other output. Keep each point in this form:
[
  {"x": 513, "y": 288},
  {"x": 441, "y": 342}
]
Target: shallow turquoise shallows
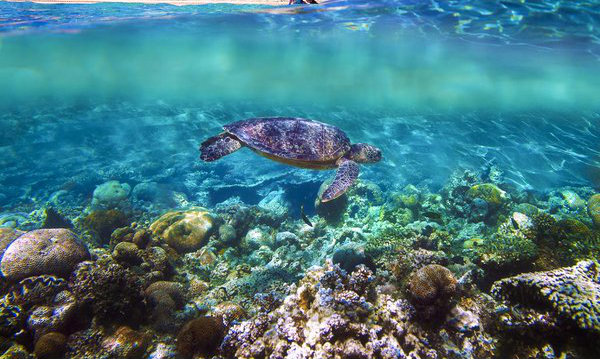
[
  {"x": 446, "y": 203},
  {"x": 111, "y": 87}
]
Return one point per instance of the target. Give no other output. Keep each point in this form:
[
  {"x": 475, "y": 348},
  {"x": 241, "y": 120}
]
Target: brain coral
[
  {"x": 573, "y": 293},
  {"x": 184, "y": 231},
  {"x": 43, "y": 251},
  {"x": 431, "y": 289},
  {"x": 431, "y": 284}
]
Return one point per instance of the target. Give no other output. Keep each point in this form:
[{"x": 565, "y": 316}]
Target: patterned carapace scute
[{"x": 292, "y": 138}]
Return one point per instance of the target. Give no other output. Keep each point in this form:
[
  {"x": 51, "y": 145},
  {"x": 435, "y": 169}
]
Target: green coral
[
  {"x": 565, "y": 241},
  {"x": 509, "y": 246},
  {"x": 593, "y": 209},
  {"x": 398, "y": 215},
  {"x": 387, "y": 241}
]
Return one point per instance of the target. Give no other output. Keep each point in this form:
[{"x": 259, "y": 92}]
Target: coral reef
[
  {"x": 349, "y": 258},
  {"x": 43, "y": 251},
  {"x": 134, "y": 234},
  {"x": 7, "y": 236},
  {"x": 164, "y": 298},
  {"x": 511, "y": 249},
  {"x": 396, "y": 271},
  {"x": 333, "y": 210},
  {"x": 21, "y": 300},
  {"x": 488, "y": 192},
  {"x": 126, "y": 343},
  {"x": 54, "y": 219},
  {"x": 330, "y": 314},
  {"x": 56, "y": 316}
]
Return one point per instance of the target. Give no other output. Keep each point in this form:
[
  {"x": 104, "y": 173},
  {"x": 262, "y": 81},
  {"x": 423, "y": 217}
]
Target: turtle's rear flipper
[
  {"x": 219, "y": 146},
  {"x": 346, "y": 174}
]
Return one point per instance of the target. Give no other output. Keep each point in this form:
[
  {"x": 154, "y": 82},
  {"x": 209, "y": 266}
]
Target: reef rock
[
  {"x": 126, "y": 343},
  {"x": 43, "y": 251},
  {"x": 571, "y": 293},
  {"x": 184, "y": 231},
  {"x": 164, "y": 298}
]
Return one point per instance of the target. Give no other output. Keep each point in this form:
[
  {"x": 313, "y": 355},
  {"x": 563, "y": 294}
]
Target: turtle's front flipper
[
  {"x": 346, "y": 174},
  {"x": 219, "y": 146}
]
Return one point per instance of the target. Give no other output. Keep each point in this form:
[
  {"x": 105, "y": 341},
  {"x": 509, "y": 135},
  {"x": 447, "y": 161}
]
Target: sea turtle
[{"x": 298, "y": 142}]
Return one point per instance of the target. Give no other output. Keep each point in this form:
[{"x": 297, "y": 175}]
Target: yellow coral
[
  {"x": 488, "y": 192},
  {"x": 184, "y": 231},
  {"x": 473, "y": 243}
]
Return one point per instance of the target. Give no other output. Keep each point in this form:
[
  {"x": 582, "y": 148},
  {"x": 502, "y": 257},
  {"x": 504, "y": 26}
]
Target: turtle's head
[{"x": 364, "y": 153}]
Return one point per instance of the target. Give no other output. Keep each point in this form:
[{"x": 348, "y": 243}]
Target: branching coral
[{"x": 112, "y": 291}]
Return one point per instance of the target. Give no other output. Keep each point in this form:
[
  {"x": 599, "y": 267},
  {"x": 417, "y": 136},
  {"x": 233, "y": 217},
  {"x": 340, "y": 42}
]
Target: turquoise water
[
  {"x": 506, "y": 90},
  {"x": 115, "y": 85}
]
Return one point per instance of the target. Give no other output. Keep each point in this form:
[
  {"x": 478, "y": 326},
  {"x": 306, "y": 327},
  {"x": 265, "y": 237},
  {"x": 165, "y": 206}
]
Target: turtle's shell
[{"x": 296, "y": 141}]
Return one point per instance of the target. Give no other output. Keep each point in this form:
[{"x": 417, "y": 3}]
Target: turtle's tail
[{"x": 219, "y": 146}]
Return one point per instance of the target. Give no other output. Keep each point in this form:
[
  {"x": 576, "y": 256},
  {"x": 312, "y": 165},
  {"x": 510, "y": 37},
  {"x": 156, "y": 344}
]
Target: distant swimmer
[{"x": 300, "y": 2}]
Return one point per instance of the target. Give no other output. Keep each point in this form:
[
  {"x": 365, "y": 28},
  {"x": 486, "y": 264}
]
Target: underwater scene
[{"x": 352, "y": 179}]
